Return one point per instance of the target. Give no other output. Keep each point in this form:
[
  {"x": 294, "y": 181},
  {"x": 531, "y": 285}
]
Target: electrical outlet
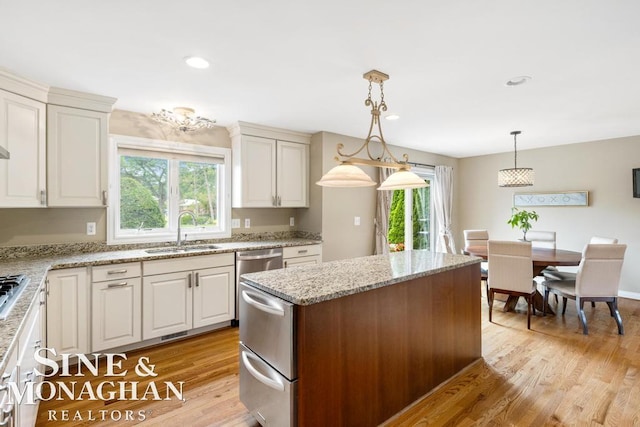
[
  {"x": 247, "y": 223},
  {"x": 356, "y": 220},
  {"x": 91, "y": 229},
  {"x": 292, "y": 221},
  {"x": 235, "y": 223}
]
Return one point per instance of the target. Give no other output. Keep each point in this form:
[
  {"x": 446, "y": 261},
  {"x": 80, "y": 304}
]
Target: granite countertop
[
  {"x": 306, "y": 285},
  {"x": 36, "y": 267}
]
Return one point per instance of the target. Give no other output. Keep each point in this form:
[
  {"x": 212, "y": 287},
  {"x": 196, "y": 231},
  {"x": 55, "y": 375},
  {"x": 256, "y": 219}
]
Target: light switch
[
  {"x": 235, "y": 223},
  {"x": 247, "y": 223},
  {"x": 356, "y": 220}
]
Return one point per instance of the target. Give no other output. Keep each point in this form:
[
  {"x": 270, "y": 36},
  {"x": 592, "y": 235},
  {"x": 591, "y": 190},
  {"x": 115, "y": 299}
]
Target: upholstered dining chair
[
  {"x": 479, "y": 238},
  {"x": 597, "y": 279},
  {"x": 510, "y": 272},
  {"x": 542, "y": 239},
  {"x": 555, "y": 274}
]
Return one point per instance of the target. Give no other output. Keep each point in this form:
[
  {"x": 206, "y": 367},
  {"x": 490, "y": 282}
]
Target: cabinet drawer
[
  {"x": 270, "y": 397},
  {"x": 103, "y": 273},
  {"x": 173, "y": 265},
  {"x": 266, "y": 327},
  {"x": 296, "y": 251}
]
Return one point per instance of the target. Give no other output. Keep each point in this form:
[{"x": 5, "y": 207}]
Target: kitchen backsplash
[{"x": 12, "y": 252}]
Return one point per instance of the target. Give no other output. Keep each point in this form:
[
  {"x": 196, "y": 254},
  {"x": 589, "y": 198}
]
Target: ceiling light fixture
[
  {"x": 346, "y": 174},
  {"x": 183, "y": 119},
  {"x": 196, "y": 62},
  {"x": 515, "y": 177}
]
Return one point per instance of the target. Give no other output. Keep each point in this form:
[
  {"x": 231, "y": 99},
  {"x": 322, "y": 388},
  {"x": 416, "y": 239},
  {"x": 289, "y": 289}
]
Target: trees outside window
[
  {"x": 420, "y": 217},
  {"x": 156, "y": 181}
]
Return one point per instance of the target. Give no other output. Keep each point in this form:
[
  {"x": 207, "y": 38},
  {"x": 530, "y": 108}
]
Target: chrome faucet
[{"x": 195, "y": 222}]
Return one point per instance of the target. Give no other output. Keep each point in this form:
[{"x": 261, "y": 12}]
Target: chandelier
[
  {"x": 347, "y": 174},
  {"x": 515, "y": 177},
  {"x": 183, "y": 119}
]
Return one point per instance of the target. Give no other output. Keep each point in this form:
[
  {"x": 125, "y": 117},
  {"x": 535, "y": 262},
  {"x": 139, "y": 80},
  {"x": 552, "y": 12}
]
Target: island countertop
[{"x": 311, "y": 284}]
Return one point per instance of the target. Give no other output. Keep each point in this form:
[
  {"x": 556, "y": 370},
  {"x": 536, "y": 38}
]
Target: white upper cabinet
[
  {"x": 23, "y": 135},
  {"x": 77, "y": 137},
  {"x": 270, "y": 167}
]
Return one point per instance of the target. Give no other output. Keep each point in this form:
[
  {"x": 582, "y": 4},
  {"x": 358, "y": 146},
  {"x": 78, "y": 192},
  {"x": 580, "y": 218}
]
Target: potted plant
[{"x": 522, "y": 219}]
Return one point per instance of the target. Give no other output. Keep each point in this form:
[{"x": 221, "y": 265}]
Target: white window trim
[{"x": 154, "y": 145}]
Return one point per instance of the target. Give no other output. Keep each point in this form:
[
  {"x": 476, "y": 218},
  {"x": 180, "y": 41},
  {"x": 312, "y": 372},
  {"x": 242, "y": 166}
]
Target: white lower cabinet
[
  {"x": 185, "y": 293},
  {"x": 301, "y": 255},
  {"x": 68, "y": 311},
  {"x": 30, "y": 341},
  {"x": 116, "y": 306}
]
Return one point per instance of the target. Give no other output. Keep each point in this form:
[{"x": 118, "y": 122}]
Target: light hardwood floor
[{"x": 551, "y": 375}]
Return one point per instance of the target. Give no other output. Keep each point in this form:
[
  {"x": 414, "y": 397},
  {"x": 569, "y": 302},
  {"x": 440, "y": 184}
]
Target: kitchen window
[{"x": 151, "y": 182}]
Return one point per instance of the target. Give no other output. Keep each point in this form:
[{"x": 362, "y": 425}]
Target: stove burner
[{"x": 10, "y": 288}]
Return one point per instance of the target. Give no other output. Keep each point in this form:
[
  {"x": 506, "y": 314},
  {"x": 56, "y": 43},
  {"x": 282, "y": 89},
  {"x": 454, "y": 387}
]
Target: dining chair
[
  {"x": 569, "y": 275},
  {"x": 510, "y": 272},
  {"x": 479, "y": 238},
  {"x": 597, "y": 279},
  {"x": 542, "y": 239}
]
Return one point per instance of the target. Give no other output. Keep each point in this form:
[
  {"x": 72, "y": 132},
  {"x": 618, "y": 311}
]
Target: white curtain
[
  {"x": 383, "y": 206},
  {"x": 443, "y": 202}
]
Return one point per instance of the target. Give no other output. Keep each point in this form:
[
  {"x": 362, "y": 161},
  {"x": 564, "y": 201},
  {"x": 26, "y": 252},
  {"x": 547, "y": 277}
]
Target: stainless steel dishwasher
[{"x": 252, "y": 262}]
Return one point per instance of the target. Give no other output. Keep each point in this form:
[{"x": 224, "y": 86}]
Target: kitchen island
[{"x": 369, "y": 336}]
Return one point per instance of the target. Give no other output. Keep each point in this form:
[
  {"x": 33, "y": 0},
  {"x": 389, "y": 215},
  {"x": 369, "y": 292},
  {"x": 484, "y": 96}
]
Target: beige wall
[
  {"x": 601, "y": 167},
  {"x": 338, "y": 206},
  {"x": 66, "y": 225}
]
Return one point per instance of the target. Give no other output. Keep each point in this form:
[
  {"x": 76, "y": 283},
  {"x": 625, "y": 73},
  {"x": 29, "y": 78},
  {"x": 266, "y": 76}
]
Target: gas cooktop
[{"x": 10, "y": 289}]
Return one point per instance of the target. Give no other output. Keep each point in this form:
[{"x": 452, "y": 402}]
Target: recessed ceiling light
[
  {"x": 517, "y": 81},
  {"x": 196, "y": 62},
  {"x": 392, "y": 117}
]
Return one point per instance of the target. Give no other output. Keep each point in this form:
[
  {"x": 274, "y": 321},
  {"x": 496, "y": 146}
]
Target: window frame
[
  {"x": 426, "y": 173},
  {"x": 166, "y": 149}
]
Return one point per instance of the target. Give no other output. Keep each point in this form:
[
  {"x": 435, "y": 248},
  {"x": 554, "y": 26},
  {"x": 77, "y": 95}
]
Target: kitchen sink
[{"x": 181, "y": 249}]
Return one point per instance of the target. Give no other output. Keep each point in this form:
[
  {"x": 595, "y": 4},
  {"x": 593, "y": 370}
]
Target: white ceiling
[{"x": 299, "y": 65}]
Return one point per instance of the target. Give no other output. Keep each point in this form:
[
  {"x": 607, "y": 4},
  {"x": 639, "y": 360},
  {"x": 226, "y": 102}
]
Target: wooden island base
[{"x": 362, "y": 358}]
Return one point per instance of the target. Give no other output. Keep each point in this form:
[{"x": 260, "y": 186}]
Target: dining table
[{"x": 541, "y": 259}]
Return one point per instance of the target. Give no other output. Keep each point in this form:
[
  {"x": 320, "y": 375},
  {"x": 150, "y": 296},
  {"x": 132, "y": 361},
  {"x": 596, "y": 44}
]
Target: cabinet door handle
[
  {"x": 197, "y": 279},
  {"x": 285, "y": 264},
  {"x": 273, "y": 201},
  {"x": 104, "y": 197},
  {"x": 117, "y": 285},
  {"x": 303, "y": 251},
  {"x": 43, "y": 197},
  {"x": 279, "y": 201},
  {"x": 124, "y": 270},
  {"x": 37, "y": 344},
  {"x": 189, "y": 280}
]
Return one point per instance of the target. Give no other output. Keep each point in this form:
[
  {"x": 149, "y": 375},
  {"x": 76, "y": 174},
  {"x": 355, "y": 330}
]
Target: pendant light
[
  {"x": 346, "y": 174},
  {"x": 515, "y": 177}
]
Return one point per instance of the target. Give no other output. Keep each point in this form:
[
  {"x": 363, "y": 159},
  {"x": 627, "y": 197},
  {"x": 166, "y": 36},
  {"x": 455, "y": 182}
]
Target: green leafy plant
[{"x": 522, "y": 219}]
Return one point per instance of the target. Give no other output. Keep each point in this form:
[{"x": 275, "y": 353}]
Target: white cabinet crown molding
[
  {"x": 252, "y": 129},
  {"x": 86, "y": 101},
  {"x": 21, "y": 86}
]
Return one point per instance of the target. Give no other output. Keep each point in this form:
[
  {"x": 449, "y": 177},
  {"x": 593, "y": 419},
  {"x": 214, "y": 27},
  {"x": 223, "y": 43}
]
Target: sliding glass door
[{"x": 410, "y": 224}]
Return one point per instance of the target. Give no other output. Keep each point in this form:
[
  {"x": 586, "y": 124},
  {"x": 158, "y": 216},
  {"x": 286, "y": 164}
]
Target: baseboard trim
[{"x": 630, "y": 295}]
